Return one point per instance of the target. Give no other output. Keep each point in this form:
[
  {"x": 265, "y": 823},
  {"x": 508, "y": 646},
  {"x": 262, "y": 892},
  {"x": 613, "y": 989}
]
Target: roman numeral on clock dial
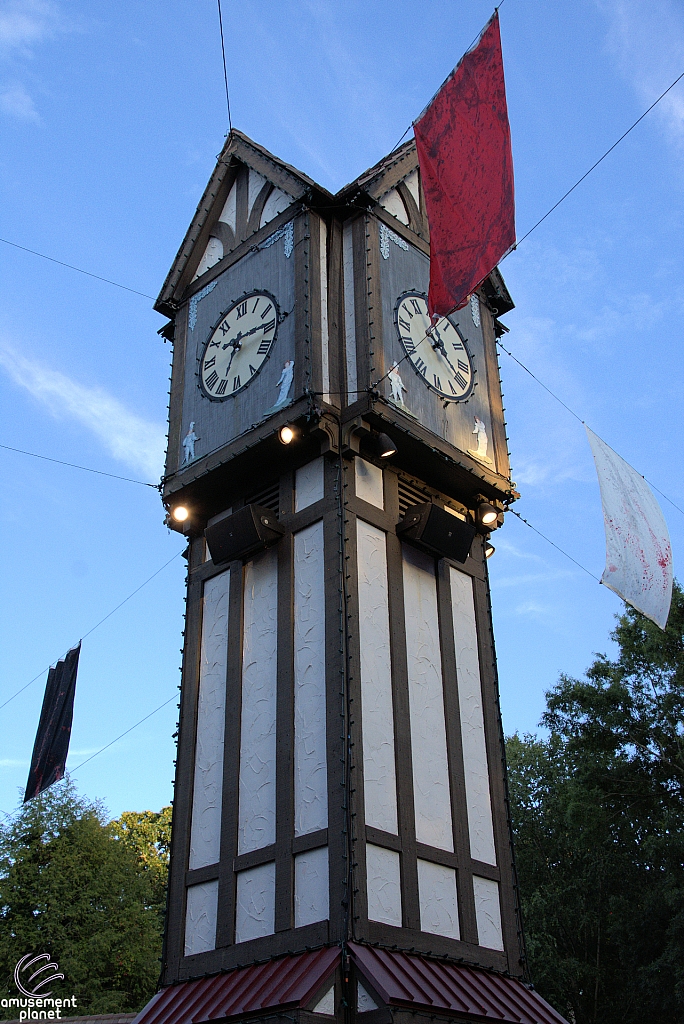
[
  {"x": 240, "y": 344},
  {"x": 437, "y": 351}
]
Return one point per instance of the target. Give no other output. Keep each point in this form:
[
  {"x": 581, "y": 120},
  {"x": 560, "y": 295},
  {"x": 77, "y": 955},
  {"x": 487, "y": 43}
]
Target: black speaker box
[
  {"x": 436, "y": 531},
  {"x": 244, "y": 533}
]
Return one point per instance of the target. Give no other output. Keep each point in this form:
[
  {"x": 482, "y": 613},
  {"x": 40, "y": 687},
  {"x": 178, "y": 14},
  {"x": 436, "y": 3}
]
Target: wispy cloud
[
  {"x": 23, "y": 23},
  {"x": 503, "y": 544},
  {"x": 646, "y": 39},
  {"x": 132, "y": 440},
  {"x": 15, "y": 101},
  {"x": 12, "y": 762},
  {"x": 533, "y": 578},
  {"x": 536, "y": 610}
]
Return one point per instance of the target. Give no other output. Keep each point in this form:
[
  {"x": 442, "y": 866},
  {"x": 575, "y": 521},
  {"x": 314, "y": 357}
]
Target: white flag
[{"x": 638, "y": 553}]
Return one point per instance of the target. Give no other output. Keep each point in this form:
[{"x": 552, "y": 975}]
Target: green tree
[
  {"x": 148, "y": 835},
  {"x": 88, "y": 893},
  {"x": 598, "y": 816}
]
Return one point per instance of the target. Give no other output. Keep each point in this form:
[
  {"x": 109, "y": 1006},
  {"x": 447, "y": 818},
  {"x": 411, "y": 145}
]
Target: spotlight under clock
[{"x": 287, "y": 434}]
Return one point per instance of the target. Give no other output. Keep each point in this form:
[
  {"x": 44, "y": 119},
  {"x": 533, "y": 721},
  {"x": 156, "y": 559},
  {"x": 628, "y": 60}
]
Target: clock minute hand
[
  {"x": 259, "y": 327},
  {"x": 232, "y": 356},
  {"x": 439, "y": 346},
  {"x": 240, "y": 337}
]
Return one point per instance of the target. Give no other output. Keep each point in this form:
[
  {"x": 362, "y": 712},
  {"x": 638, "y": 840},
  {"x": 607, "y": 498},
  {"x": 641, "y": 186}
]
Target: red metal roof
[
  {"x": 289, "y": 981},
  {"x": 400, "y": 979},
  {"x": 404, "y": 979}
]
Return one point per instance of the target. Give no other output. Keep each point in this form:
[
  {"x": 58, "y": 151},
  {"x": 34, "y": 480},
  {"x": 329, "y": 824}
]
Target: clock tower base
[{"x": 346, "y": 983}]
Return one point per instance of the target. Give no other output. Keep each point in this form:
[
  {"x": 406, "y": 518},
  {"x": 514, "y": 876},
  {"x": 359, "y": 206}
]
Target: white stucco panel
[
  {"x": 432, "y": 795},
  {"x": 255, "y": 909},
  {"x": 200, "y": 918},
  {"x": 394, "y": 204},
  {"x": 229, "y": 211},
  {"x": 364, "y": 1000},
  {"x": 412, "y": 182},
  {"x": 311, "y": 887},
  {"x": 438, "y": 901},
  {"x": 276, "y": 203},
  {"x": 369, "y": 483},
  {"x": 212, "y": 254},
  {"x": 478, "y": 799},
  {"x": 256, "y": 183},
  {"x": 205, "y": 831},
  {"x": 377, "y": 712},
  {"x": 256, "y": 822},
  {"x": 327, "y": 1003},
  {"x": 383, "y": 880},
  {"x": 310, "y": 761},
  {"x": 309, "y": 484},
  {"x": 488, "y": 912}
]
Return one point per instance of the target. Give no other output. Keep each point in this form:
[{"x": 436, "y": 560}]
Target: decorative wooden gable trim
[
  {"x": 394, "y": 184},
  {"x": 251, "y": 202},
  {"x": 387, "y": 173},
  {"x": 248, "y": 188}
]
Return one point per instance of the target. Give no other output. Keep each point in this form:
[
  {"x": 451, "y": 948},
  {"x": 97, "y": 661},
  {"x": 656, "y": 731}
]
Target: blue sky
[{"x": 111, "y": 116}]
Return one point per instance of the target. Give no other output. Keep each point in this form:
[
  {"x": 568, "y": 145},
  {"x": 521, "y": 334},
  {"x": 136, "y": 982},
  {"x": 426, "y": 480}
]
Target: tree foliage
[
  {"x": 89, "y": 893},
  {"x": 598, "y": 815}
]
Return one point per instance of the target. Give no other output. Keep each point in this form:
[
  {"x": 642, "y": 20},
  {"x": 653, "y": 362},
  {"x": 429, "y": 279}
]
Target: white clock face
[
  {"x": 439, "y": 355},
  {"x": 239, "y": 345}
]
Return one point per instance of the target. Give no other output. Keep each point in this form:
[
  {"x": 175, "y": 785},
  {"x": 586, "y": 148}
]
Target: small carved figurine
[
  {"x": 189, "y": 444},
  {"x": 397, "y": 385},
  {"x": 481, "y": 451},
  {"x": 285, "y": 382}
]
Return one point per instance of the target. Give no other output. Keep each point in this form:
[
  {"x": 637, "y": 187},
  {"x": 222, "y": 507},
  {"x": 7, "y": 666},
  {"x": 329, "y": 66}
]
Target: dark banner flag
[
  {"x": 54, "y": 729},
  {"x": 464, "y": 149}
]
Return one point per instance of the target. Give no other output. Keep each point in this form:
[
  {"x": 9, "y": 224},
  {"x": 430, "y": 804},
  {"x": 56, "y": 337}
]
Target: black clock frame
[
  {"x": 416, "y": 294},
  {"x": 215, "y": 327}
]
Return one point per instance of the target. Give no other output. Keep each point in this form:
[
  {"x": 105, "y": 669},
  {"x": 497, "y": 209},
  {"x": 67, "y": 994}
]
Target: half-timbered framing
[{"x": 340, "y": 778}]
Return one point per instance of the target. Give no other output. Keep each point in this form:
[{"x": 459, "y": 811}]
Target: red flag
[{"x": 464, "y": 149}]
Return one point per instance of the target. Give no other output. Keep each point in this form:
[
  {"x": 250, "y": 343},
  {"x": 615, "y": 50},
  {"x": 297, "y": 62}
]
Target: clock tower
[{"x": 341, "y": 839}]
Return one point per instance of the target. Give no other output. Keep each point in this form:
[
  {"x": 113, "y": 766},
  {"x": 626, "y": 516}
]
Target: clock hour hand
[{"x": 235, "y": 342}]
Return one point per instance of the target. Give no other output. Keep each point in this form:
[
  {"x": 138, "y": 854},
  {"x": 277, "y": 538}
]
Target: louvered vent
[
  {"x": 269, "y": 497},
  {"x": 409, "y": 496}
]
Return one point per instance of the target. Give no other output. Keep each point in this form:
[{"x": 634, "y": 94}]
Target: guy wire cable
[
  {"x": 593, "y": 167},
  {"x": 466, "y": 51},
  {"x": 96, "y": 626},
  {"x": 121, "y": 735},
  {"x": 78, "y": 270},
  {"x": 86, "y": 469},
  {"x": 579, "y": 418},
  {"x": 225, "y": 70},
  {"x": 553, "y": 544},
  {"x": 116, "y": 284}
]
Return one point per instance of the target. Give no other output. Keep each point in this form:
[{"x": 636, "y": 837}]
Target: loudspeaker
[
  {"x": 251, "y": 529},
  {"x": 436, "y": 531}
]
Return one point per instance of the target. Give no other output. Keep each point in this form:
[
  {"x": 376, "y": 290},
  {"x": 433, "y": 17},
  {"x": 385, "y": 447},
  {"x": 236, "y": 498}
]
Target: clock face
[
  {"x": 439, "y": 355},
  {"x": 239, "y": 345}
]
